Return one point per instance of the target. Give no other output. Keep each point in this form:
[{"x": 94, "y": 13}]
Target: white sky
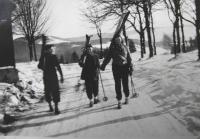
[{"x": 66, "y": 20}]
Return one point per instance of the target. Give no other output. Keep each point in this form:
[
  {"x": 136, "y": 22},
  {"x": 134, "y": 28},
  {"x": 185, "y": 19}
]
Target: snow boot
[
  {"x": 126, "y": 100},
  {"x": 57, "y": 111},
  {"x": 135, "y": 95},
  {"x": 119, "y": 106},
  {"x": 91, "y": 103},
  {"x": 50, "y": 107},
  {"x": 96, "y": 100}
]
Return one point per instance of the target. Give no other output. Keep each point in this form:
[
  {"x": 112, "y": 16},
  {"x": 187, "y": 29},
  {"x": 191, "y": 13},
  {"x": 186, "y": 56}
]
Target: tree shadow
[
  {"x": 114, "y": 121},
  {"x": 77, "y": 111},
  {"x": 78, "y": 87}
]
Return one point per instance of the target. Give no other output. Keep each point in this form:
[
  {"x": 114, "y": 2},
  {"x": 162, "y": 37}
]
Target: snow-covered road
[{"x": 167, "y": 107}]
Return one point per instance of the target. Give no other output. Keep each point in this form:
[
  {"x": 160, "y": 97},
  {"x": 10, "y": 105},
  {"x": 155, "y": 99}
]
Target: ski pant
[
  {"x": 92, "y": 88},
  {"x": 121, "y": 74},
  {"x": 51, "y": 89}
]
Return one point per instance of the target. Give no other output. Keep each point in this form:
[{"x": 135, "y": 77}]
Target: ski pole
[
  {"x": 135, "y": 94},
  {"x": 105, "y": 98}
]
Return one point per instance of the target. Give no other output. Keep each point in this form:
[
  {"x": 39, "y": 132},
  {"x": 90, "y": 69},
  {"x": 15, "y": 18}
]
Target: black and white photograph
[{"x": 100, "y": 69}]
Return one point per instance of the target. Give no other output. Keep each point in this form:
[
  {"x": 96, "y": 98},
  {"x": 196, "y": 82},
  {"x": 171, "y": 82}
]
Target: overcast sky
[{"x": 66, "y": 20}]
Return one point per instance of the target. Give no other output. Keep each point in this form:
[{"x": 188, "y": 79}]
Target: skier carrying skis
[
  {"x": 49, "y": 64},
  {"x": 121, "y": 67},
  {"x": 90, "y": 72}
]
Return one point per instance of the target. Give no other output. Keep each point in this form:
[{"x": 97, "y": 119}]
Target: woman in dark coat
[
  {"x": 121, "y": 67},
  {"x": 90, "y": 72},
  {"x": 51, "y": 84}
]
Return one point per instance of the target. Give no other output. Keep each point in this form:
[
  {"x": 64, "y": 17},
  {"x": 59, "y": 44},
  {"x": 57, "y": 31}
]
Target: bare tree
[
  {"x": 29, "y": 21},
  {"x": 152, "y": 26},
  {"x": 93, "y": 16},
  {"x": 173, "y": 7},
  {"x": 136, "y": 19},
  {"x": 111, "y": 8},
  {"x": 191, "y": 9},
  {"x": 147, "y": 21},
  {"x": 177, "y": 9},
  {"x": 147, "y": 6}
]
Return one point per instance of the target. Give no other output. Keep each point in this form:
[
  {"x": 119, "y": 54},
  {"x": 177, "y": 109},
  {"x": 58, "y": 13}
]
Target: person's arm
[
  {"x": 81, "y": 60},
  {"x": 59, "y": 69},
  {"x": 129, "y": 61},
  {"x": 98, "y": 63},
  {"x": 106, "y": 60}
]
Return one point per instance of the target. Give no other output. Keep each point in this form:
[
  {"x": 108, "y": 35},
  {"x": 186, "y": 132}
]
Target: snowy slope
[{"x": 174, "y": 84}]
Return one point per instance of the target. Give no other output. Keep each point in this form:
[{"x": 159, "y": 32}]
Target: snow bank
[
  {"x": 176, "y": 84},
  {"x": 28, "y": 90}
]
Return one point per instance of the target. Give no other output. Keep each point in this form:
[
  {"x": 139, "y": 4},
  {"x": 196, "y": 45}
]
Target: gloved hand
[
  {"x": 80, "y": 64},
  {"x": 62, "y": 79},
  {"x": 130, "y": 70},
  {"x": 102, "y": 67}
]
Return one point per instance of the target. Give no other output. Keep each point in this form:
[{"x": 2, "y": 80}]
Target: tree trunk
[
  {"x": 152, "y": 26},
  {"x": 153, "y": 33},
  {"x": 174, "y": 49},
  {"x": 177, "y": 36},
  {"x": 35, "y": 52},
  {"x": 142, "y": 44},
  {"x": 176, "y": 2},
  {"x": 30, "y": 50},
  {"x": 146, "y": 14},
  {"x": 183, "y": 35},
  {"x": 100, "y": 40},
  {"x": 197, "y": 3}
]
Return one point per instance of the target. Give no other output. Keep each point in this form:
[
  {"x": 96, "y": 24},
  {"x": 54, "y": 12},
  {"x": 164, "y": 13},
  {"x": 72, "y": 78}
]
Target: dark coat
[
  {"x": 120, "y": 56},
  {"x": 90, "y": 64},
  {"x": 49, "y": 73}
]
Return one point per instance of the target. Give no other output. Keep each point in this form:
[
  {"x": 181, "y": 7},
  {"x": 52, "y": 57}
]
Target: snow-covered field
[{"x": 167, "y": 84}]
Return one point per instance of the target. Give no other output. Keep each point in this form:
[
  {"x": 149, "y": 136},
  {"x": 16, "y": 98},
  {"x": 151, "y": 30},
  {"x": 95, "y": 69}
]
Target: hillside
[{"x": 64, "y": 46}]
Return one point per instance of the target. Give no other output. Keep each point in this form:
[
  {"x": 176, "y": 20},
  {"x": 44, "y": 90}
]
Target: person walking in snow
[
  {"x": 51, "y": 85},
  {"x": 90, "y": 72},
  {"x": 121, "y": 67}
]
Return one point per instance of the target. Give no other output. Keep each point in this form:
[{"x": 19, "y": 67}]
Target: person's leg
[
  {"x": 125, "y": 83},
  {"x": 57, "y": 111},
  {"x": 88, "y": 85},
  {"x": 50, "y": 107},
  {"x": 56, "y": 95},
  {"x": 56, "y": 100},
  {"x": 48, "y": 97},
  {"x": 96, "y": 91},
  {"x": 117, "y": 79}
]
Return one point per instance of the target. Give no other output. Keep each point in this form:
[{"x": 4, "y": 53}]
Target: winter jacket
[
  {"x": 120, "y": 56},
  {"x": 90, "y": 66}
]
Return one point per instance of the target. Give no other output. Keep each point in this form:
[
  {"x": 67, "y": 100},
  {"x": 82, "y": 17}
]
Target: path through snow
[{"x": 167, "y": 107}]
